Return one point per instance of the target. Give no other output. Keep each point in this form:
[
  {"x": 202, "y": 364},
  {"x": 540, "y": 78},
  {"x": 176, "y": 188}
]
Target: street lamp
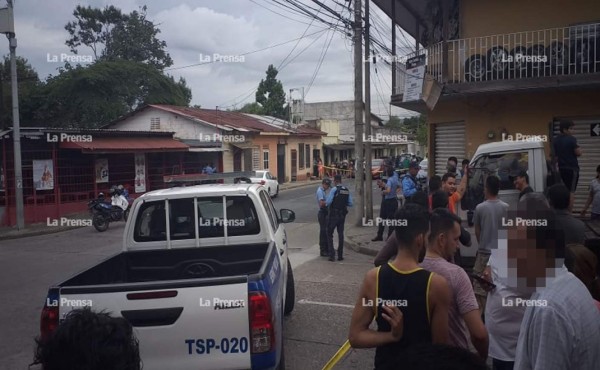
[{"x": 7, "y": 26}]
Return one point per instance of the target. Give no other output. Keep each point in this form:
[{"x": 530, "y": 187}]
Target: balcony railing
[{"x": 565, "y": 51}]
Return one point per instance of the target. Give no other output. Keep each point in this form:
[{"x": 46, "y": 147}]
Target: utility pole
[
  {"x": 7, "y": 26},
  {"x": 368, "y": 177},
  {"x": 358, "y": 111}
]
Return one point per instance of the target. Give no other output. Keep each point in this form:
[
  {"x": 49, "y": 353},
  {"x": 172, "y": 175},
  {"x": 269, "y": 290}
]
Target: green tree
[
  {"x": 252, "y": 108},
  {"x": 394, "y": 123},
  {"x": 92, "y": 96},
  {"x": 113, "y": 36},
  {"x": 28, "y": 85},
  {"x": 270, "y": 94}
]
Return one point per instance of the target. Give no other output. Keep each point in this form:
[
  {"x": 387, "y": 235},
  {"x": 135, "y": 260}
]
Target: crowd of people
[{"x": 532, "y": 300}]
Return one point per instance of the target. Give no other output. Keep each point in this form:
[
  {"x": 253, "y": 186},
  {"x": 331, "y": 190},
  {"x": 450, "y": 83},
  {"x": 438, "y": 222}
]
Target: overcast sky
[{"x": 197, "y": 30}]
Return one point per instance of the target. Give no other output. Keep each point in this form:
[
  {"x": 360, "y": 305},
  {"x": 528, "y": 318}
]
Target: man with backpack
[{"x": 338, "y": 201}]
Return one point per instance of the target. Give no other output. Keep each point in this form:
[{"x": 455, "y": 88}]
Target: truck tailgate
[{"x": 198, "y": 325}]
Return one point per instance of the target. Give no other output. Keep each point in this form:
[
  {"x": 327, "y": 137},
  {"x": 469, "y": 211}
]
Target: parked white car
[{"x": 269, "y": 181}]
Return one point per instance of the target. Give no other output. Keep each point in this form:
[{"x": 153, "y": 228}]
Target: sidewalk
[
  {"x": 358, "y": 238},
  {"x": 42, "y": 228}
]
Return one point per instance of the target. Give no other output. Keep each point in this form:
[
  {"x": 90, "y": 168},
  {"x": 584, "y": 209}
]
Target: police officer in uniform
[
  {"x": 389, "y": 205},
  {"x": 322, "y": 216},
  {"x": 338, "y": 200}
]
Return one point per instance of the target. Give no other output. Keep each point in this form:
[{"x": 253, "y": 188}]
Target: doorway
[
  {"x": 294, "y": 164},
  {"x": 281, "y": 163}
]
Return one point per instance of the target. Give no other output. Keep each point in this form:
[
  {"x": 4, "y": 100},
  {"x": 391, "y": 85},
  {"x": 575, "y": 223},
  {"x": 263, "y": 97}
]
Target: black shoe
[
  {"x": 340, "y": 258},
  {"x": 377, "y": 239},
  {"x": 332, "y": 259},
  {"x": 323, "y": 254}
]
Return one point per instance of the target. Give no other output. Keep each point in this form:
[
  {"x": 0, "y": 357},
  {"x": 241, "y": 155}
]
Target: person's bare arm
[
  {"x": 578, "y": 151},
  {"x": 589, "y": 201},
  {"x": 479, "y": 335},
  {"x": 360, "y": 335},
  {"x": 389, "y": 250},
  {"x": 478, "y": 232},
  {"x": 439, "y": 302},
  {"x": 462, "y": 188}
]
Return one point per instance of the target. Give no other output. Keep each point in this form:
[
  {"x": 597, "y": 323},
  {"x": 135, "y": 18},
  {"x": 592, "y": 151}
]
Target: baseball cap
[{"x": 326, "y": 181}]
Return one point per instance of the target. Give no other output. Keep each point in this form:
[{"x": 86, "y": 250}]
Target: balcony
[{"x": 559, "y": 57}]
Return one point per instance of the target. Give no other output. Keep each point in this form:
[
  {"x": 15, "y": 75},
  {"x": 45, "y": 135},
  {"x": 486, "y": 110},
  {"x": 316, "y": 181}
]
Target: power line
[
  {"x": 282, "y": 15},
  {"x": 250, "y": 52}
]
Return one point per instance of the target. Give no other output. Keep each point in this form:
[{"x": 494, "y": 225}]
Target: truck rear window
[{"x": 241, "y": 219}]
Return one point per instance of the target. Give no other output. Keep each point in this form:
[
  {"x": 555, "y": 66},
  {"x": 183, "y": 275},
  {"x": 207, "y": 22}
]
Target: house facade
[
  {"x": 499, "y": 70},
  {"x": 336, "y": 118},
  {"x": 231, "y": 141}
]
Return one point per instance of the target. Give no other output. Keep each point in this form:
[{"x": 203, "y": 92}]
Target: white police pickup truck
[{"x": 204, "y": 278}]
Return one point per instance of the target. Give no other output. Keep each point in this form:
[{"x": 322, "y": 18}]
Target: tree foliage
[
  {"x": 415, "y": 125},
  {"x": 270, "y": 94},
  {"x": 28, "y": 86},
  {"x": 252, "y": 108},
  {"x": 88, "y": 97},
  {"x": 113, "y": 36}
]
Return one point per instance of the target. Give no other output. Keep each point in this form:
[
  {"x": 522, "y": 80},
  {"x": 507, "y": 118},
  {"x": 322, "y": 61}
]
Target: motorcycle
[{"x": 105, "y": 213}]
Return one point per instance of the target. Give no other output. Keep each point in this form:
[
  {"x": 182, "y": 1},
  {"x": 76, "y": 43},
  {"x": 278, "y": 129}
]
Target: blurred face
[
  {"x": 529, "y": 261},
  {"x": 413, "y": 171},
  {"x": 450, "y": 185},
  {"x": 520, "y": 183},
  {"x": 451, "y": 166}
]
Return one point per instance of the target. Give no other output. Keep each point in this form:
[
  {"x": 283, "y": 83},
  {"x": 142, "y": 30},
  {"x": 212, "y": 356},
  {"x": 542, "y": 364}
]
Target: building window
[
  {"x": 265, "y": 159},
  {"x": 307, "y": 155},
  {"x": 155, "y": 124},
  {"x": 255, "y": 159},
  {"x": 301, "y": 156}
]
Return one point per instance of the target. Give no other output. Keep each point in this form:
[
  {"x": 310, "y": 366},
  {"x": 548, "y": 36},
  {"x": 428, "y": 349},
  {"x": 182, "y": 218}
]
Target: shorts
[{"x": 570, "y": 177}]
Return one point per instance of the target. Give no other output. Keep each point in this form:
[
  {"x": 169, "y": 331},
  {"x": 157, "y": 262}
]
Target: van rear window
[{"x": 240, "y": 218}]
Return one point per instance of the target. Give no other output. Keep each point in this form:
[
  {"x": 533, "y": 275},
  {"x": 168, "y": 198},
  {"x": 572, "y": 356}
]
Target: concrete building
[{"x": 496, "y": 70}]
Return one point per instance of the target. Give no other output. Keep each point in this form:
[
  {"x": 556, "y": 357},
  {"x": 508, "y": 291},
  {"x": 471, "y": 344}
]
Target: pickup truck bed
[
  {"x": 174, "y": 264},
  {"x": 191, "y": 308}
]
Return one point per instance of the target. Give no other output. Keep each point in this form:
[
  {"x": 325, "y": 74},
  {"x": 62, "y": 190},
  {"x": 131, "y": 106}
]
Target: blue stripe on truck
[{"x": 268, "y": 360}]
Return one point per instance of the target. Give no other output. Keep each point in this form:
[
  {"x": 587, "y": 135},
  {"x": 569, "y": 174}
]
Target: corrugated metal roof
[{"x": 233, "y": 120}]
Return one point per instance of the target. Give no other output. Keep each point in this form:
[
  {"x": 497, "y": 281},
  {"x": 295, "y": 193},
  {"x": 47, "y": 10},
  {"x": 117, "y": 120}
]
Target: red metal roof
[
  {"x": 224, "y": 118},
  {"x": 126, "y": 144}
]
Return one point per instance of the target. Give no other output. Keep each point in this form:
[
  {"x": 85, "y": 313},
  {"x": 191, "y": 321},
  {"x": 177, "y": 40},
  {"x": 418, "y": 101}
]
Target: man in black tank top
[{"x": 409, "y": 304}]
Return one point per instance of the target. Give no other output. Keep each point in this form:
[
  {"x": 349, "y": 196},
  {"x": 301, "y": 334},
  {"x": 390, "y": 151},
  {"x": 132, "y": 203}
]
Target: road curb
[
  {"x": 359, "y": 248},
  {"x": 38, "y": 233}
]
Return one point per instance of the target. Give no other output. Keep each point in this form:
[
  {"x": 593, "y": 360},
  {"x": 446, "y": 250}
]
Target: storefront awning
[
  {"x": 124, "y": 144},
  {"x": 243, "y": 145}
]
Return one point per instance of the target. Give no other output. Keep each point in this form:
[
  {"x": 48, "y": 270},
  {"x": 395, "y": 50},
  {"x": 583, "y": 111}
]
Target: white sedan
[{"x": 269, "y": 181}]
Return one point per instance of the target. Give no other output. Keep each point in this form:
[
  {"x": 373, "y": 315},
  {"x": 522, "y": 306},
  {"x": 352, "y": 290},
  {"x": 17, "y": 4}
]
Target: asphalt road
[{"x": 318, "y": 326}]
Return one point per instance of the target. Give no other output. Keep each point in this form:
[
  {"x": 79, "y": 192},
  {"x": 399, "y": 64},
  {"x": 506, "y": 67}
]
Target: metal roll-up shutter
[
  {"x": 589, "y": 160},
  {"x": 449, "y": 141}
]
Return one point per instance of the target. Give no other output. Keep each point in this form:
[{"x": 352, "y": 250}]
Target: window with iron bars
[
  {"x": 154, "y": 123},
  {"x": 301, "y": 156}
]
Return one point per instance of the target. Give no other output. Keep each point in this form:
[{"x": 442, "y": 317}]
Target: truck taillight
[
  {"x": 49, "y": 321},
  {"x": 261, "y": 323}
]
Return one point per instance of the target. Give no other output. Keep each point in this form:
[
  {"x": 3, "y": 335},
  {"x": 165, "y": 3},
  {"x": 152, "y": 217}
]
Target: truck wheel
[
  {"x": 290, "y": 292},
  {"x": 100, "y": 222}
]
